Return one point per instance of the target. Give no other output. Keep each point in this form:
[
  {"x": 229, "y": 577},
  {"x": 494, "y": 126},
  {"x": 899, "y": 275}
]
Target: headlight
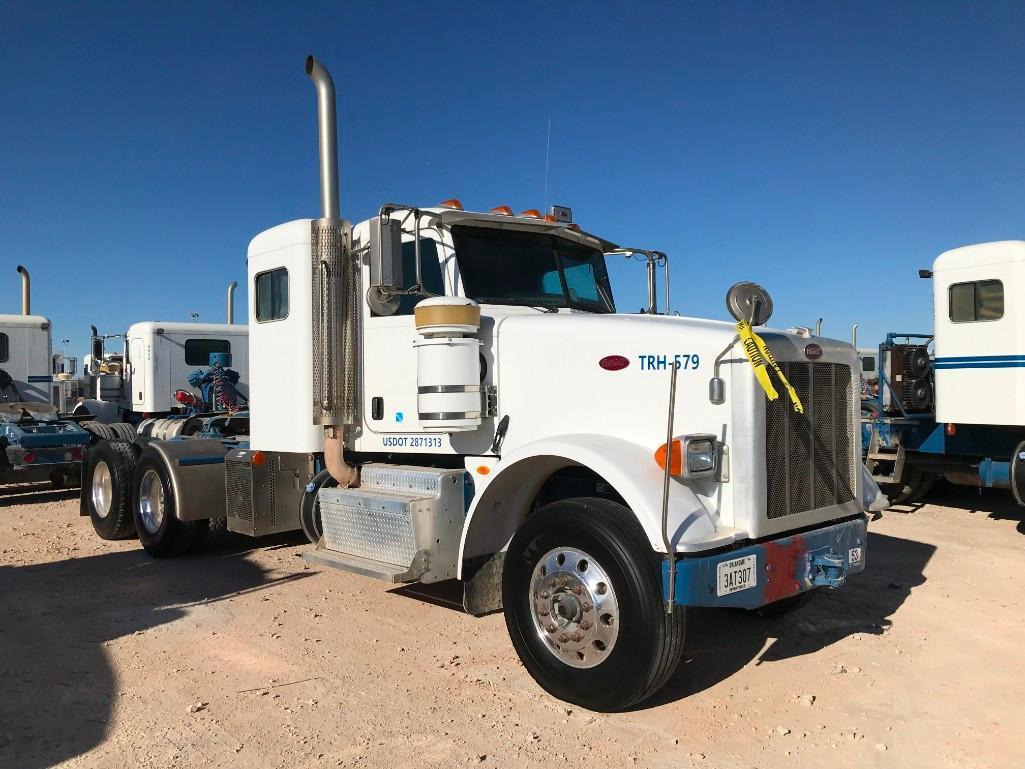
[
  {"x": 700, "y": 456},
  {"x": 690, "y": 456}
]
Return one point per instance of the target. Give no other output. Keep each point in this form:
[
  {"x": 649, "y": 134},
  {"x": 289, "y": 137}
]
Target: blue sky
[{"x": 825, "y": 150}]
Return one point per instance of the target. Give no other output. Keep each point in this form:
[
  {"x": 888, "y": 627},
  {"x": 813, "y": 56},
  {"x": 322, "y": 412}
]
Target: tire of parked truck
[
  {"x": 582, "y": 591},
  {"x": 123, "y": 430},
  {"x": 309, "y": 510},
  {"x": 211, "y": 534},
  {"x": 1018, "y": 473},
  {"x": 154, "y": 507},
  {"x": 107, "y": 488},
  {"x": 784, "y": 605},
  {"x": 99, "y": 432}
]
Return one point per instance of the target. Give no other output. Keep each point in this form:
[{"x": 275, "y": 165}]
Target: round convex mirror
[{"x": 750, "y": 302}]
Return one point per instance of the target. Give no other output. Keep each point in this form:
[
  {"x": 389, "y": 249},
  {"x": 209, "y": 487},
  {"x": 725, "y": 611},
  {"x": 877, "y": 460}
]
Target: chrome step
[{"x": 389, "y": 572}]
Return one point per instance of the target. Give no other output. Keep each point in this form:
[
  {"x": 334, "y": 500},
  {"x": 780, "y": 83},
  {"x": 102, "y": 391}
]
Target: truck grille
[{"x": 810, "y": 456}]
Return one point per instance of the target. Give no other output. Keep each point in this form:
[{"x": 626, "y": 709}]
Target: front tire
[
  {"x": 107, "y": 488},
  {"x": 154, "y": 509},
  {"x": 582, "y": 591}
]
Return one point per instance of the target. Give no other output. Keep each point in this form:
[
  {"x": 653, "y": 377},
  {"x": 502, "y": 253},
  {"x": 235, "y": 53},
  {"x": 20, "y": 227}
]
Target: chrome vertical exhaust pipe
[
  {"x": 26, "y": 291},
  {"x": 336, "y": 303},
  {"x": 231, "y": 301},
  {"x": 327, "y": 131}
]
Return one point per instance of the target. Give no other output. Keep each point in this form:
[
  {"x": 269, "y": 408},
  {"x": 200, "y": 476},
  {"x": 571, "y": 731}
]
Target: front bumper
[{"x": 783, "y": 567}]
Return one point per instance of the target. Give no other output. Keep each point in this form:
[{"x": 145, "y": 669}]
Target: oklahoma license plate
[{"x": 736, "y": 575}]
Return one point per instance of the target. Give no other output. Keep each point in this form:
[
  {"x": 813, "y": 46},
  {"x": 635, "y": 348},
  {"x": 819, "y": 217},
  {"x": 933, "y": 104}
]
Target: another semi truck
[
  {"x": 444, "y": 394},
  {"x": 952, "y": 403},
  {"x": 35, "y": 443}
]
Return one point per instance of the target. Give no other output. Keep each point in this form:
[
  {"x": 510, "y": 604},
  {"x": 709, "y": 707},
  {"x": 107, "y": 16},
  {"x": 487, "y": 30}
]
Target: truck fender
[
  {"x": 501, "y": 506},
  {"x": 196, "y": 467}
]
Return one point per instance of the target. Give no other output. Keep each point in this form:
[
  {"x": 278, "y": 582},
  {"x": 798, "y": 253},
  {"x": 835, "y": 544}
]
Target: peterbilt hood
[
  {"x": 591, "y": 376},
  {"x": 578, "y": 373}
]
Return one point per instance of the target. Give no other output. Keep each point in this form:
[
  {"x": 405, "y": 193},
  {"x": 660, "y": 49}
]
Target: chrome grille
[
  {"x": 810, "y": 457},
  {"x": 239, "y": 489}
]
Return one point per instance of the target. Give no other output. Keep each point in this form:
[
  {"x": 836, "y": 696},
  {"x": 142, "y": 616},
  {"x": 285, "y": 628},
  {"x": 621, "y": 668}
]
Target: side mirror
[
  {"x": 750, "y": 302},
  {"x": 385, "y": 265}
]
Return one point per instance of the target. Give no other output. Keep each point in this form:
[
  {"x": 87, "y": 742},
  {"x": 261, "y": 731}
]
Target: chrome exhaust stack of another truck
[{"x": 26, "y": 291}]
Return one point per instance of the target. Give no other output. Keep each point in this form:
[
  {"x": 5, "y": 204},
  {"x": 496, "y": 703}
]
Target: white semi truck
[
  {"x": 951, "y": 403},
  {"x": 35, "y": 444},
  {"x": 442, "y": 394},
  {"x": 146, "y": 377}
]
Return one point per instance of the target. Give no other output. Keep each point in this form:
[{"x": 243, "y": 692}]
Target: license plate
[{"x": 736, "y": 575}]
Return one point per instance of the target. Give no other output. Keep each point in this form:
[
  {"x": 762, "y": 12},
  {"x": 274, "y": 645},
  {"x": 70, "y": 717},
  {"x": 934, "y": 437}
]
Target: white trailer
[{"x": 444, "y": 394}]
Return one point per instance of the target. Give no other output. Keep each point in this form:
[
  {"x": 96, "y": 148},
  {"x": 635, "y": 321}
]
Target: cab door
[{"x": 137, "y": 371}]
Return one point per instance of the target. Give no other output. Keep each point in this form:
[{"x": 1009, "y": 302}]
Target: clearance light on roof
[
  {"x": 502, "y": 210},
  {"x": 531, "y": 213},
  {"x": 452, "y": 203}
]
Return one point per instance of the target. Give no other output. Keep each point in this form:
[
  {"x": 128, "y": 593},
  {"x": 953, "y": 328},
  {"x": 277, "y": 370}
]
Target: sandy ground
[{"x": 250, "y": 658}]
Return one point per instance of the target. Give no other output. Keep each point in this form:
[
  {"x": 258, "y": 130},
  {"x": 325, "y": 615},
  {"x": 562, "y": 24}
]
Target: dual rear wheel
[{"x": 128, "y": 491}]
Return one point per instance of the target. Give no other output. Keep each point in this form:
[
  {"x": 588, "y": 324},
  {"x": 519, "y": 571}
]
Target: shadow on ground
[
  {"x": 33, "y": 493},
  {"x": 996, "y": 504},
  {"x": 59, "y": 688},
  {"x": 720, "y": 641}
]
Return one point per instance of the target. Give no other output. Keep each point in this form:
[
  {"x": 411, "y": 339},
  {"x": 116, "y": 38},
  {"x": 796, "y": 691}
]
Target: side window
[
  {"x": 430, "y": 272},
  {"x": 5, "y": 348},
  {"x": 975, "y": 301},
  {"x": 868, "y": 364},
  {"x": 197, "y": 351},
  {"x": 272, "y": 295}
]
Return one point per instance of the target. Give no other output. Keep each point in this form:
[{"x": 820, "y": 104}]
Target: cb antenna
[{"x": 548, "y": 150}]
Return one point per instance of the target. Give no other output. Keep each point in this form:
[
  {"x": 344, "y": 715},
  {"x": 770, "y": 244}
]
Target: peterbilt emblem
[
  {"x": 812, "y": 351},
  {"x": 614, "y": 362}
]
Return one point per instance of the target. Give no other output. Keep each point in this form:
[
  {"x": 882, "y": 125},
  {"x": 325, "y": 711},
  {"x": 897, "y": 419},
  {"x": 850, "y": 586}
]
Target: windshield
[{"x": 501, "y": 266}]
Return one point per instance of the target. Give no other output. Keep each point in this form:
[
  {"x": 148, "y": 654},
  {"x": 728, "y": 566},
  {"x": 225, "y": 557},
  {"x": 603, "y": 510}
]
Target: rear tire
[
  {"x": 211, "y": 534},
  {"x": 123, "y": 430},
  {"x": 107, "y": 488},
  {"x": 154, "y": 510},
  {"x": 590, "y": 628},
  {"x": 99, "y": 432}
]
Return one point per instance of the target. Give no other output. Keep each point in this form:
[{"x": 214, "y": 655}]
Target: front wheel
[
  {"x": 582, "y": 591},
  {"x": 154, "y": 510}
]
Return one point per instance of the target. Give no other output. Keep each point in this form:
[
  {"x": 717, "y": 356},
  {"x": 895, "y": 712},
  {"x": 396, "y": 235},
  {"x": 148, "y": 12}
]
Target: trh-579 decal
[{"x": 683, "y": 361}]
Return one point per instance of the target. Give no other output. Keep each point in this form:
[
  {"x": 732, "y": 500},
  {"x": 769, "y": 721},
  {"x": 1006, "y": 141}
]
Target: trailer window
[
  {"x": 272, "y": 295},
  {"x": 197, "y": 351},
  {"x": 975, "y": 301},
  {"x": 5, "y": 348}
]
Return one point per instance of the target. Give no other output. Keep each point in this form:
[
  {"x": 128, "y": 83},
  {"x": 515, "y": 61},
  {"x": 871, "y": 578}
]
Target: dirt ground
[{"x": 250, "y": 658}]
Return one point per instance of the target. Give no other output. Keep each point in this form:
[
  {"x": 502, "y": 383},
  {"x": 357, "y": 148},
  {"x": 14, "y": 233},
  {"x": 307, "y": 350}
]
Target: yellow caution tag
[{"x": 761, "y": 361}]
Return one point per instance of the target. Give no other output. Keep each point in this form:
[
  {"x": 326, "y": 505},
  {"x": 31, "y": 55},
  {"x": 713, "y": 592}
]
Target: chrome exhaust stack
[
  {"x": 231, "y": 301},
  {"x": 335, "y": 295},
  {"x": 26, "y": 291}
]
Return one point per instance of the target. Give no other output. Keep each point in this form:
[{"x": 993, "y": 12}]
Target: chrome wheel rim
[
  {"x": 151, "y": 501},
  {"x": 102, "y": 489},
  {"x": 574, "y": 607}
]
